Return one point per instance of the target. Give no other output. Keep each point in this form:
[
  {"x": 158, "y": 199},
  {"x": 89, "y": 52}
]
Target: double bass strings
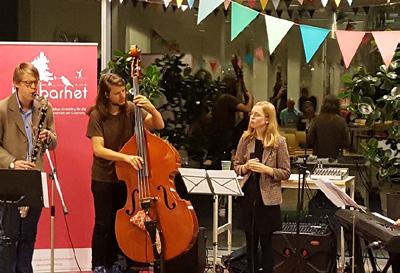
[{"x": 144, "y": 190}]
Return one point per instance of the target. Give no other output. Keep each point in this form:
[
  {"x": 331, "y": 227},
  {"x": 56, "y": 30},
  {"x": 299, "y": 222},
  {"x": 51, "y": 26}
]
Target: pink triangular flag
[
  {"x": 226, "y": 4},
  {"x": 387, "y": 43},
  {"x": 213, "y": 65},
  {"x": 349, "y": 41},
  {"x": 263, "y": 3},
  {"x": 300, "y": 1}
]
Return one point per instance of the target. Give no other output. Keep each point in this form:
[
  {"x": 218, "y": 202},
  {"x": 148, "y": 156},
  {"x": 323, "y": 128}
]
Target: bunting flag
[
  {"x": 349, "y": 41},
  {"x": 350, "y": 2},
  {"x": 276, "y": 30},
  {"x": 179, "y": 3},
  {"x": 206, "y": 7},
  {"x": 387, "y": 43},
  {"x": 241, "y": 17},
  {"x": 259, "y": 54},
  {"x": 337, "y": 2},
  {"x": 190, "y": 3},
  {"x": 251, "y": 3},
  {"x": 263, "y": 4},
  {"x": 166, "y": 3},
  {"x": 248, "y": 59},
  {"x": 300, "y": 1},
  {"x": 324, "y": 2},
  {"x": 213, "y": 65},
  {"x": 312, "y": 39},
  {"x": 184, "y": 7},
  {"x": 226, "y": 4},
  {"x": 275, "y": 3}
]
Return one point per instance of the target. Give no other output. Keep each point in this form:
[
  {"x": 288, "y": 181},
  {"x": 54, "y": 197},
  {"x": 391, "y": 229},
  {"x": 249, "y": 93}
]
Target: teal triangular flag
[
  {"x": 241, "y": 17},
  {"x": 312, "y": 39},
  {"x": 206, "y": 7}
]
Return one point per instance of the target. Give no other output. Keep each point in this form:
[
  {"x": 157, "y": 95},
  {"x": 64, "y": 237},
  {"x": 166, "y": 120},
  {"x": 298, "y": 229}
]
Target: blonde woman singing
[{"x": 262, "y": 159}]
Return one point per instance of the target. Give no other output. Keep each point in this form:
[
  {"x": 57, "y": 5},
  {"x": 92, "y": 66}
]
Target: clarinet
[{"x": 39, "y": 144}]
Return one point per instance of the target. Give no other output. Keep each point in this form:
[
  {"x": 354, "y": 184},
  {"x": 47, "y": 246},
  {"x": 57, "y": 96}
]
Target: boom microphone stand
[
  {"x": 302, "y": 167},
  {"x": 54, "y": 182}
]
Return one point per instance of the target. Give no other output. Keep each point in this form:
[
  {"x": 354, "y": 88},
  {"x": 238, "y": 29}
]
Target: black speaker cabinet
[
  {"x": 304, "y": 253},
  {"x": 193, "y": 261}
]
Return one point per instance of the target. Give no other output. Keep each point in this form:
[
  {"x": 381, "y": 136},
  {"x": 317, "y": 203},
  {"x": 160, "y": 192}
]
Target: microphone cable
[{"x": 66, "y": 222}]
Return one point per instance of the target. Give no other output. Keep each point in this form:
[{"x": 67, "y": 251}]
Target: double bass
[{"x": 154, "y": 222}]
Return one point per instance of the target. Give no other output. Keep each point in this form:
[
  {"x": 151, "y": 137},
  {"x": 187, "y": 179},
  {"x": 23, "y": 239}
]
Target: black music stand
[{"x": 17, "y": 188}]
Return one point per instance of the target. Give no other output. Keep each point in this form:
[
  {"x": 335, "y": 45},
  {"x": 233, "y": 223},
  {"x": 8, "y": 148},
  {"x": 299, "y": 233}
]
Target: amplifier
[{"x": 311, "y": 251}]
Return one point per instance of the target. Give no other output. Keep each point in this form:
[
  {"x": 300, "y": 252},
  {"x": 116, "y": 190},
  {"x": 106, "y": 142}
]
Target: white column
[
  {"x": 105, "y": 33},
  {"x": 294, "y": 56}
]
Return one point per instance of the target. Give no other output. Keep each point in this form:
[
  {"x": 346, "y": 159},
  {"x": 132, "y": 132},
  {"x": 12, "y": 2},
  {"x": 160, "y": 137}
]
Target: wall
[{"x": 56, "y": 21}]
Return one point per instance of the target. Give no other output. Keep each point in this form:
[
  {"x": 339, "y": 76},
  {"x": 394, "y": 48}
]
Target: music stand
[
  {"x": 214, "y": 182},
  {"x": 341, "y": 200},
  {"x": 18, "y": 188}
]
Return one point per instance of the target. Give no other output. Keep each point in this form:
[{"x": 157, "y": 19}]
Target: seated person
[
  {"x": 305, "y": 96},
  {"x": 328, "y": 133},
  {"x": 290, "y": 116},
  {"x": 309, "y": 115}
]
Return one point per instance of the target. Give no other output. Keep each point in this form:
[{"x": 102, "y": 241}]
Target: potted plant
[
  {"x": 376, "y": 98},
  {"x": 149, "y": 83}
]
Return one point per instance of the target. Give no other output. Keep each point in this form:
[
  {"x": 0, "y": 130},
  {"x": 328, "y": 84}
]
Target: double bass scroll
[{"x": 151, "y": 195}]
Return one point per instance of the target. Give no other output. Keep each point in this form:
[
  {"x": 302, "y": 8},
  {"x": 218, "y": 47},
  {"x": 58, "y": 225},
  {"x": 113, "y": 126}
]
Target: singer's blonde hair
[
  {"x": 271, "y": 134},
  {"x": 23, "y": 69}
]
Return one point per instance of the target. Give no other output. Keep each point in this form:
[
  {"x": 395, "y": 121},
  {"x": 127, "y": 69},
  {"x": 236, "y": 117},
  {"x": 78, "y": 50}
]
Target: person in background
[
  {"x": 304, "y": 97},
  {"x": 110, "y": 126},
  {"x": 279, "y": 98},
  {"x": 262, "y": 159},
  {"x": 308, "y": 116},
  {"x": 18, "y": 112},
  {"x": 223, "y": 121},
  {"x": 290, "y": 117},
  {"x": 328, "y": 134}
]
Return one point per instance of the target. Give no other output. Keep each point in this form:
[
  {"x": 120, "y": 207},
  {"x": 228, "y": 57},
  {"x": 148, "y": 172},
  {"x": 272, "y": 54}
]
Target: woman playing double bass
[{"x": 111, "y": 125}]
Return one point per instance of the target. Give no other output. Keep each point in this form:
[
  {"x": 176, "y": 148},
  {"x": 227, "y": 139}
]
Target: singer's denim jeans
[{"x": 16, "y": 257}]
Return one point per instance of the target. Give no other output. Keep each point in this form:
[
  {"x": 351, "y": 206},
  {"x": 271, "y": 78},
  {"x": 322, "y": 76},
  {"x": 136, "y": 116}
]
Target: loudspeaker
[
  {"x": 305, "y": 253},
  {"x": 193, "y": 261}
]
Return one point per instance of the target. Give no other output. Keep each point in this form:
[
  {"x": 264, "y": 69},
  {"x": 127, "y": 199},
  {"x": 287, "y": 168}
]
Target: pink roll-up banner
[{"x": 68, "y": 73}]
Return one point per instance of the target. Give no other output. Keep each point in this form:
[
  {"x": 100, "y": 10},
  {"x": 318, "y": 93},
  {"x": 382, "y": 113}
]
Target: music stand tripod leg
[{"x": 215, "y": 230}]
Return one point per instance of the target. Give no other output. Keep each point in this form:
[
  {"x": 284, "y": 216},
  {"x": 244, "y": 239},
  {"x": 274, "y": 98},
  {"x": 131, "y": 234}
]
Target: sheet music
[
  {"x": 195, "y": 180},
  {"x": 336, "y": 195},
  {"x": 225, "y": 182},
  {"x": 220, "y": 182}
]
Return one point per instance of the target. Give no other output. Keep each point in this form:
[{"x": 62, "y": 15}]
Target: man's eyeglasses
[{"x": 30, "y": 83}]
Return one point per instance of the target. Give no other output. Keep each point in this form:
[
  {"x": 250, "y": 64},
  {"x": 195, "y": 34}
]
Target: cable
[
  {"x": 65, "y": 219},
  {"x": 70, "y": 241}
]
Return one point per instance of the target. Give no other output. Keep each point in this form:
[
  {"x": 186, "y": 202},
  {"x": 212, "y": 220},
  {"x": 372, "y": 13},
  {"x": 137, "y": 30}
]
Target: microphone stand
[
  {"x": 54, "y": 182},
  {"x": 302, "y": 167}
]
